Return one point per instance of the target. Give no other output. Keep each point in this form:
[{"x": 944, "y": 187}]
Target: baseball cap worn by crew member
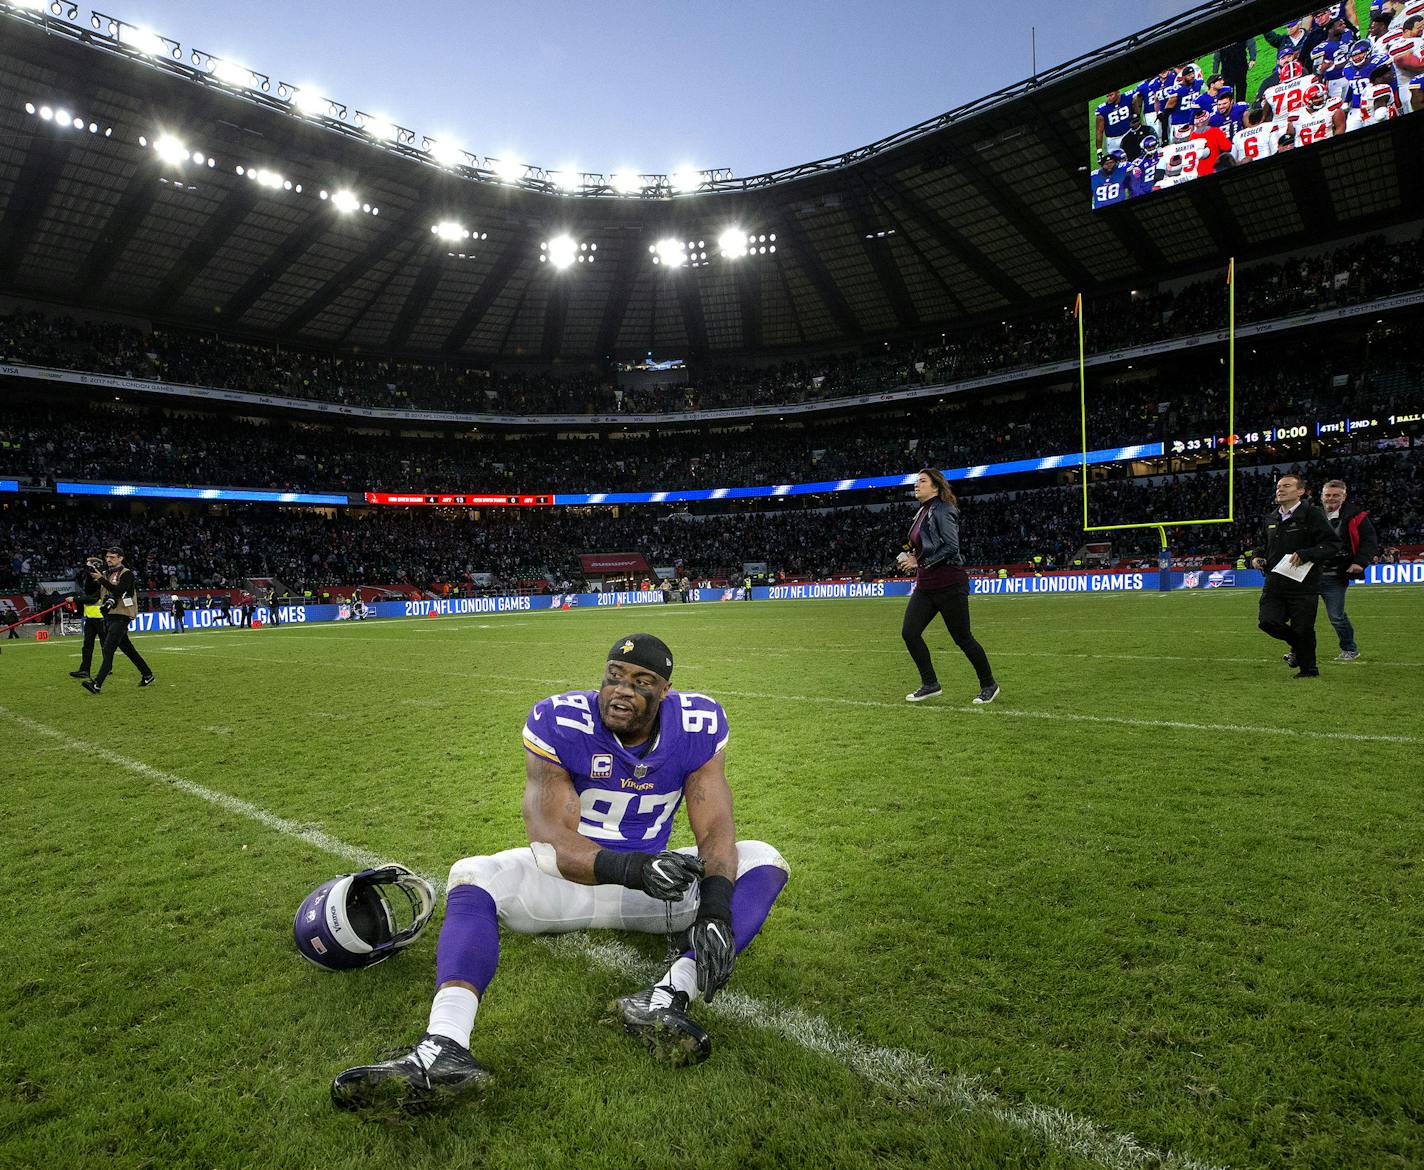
[{"x": 645, "y": 651}]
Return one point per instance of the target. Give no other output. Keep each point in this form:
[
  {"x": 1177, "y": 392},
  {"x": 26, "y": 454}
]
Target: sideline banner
[{"x": 1136, "y": 581}]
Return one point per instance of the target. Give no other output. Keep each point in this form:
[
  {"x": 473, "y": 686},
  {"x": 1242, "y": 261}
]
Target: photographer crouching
[
  {"x": 118, "y": 602},
  {"x": 86, "y": 596}
]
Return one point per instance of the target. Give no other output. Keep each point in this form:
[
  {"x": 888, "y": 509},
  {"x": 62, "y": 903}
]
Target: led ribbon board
[{"x": 236, "y": 495}]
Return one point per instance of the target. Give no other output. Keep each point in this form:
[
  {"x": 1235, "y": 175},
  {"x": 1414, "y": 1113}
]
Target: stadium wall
[{"x": 1136, "y": 581}]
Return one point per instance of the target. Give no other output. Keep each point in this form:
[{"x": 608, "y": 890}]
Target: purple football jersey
[{"x": 627, "y": 800}]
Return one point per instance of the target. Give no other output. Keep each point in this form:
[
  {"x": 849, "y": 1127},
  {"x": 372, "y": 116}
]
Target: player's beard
[{"x": 631, "y": 722}]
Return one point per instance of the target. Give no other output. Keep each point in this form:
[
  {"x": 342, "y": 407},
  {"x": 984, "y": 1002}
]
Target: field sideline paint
[{"x": 893, "y": 1069}]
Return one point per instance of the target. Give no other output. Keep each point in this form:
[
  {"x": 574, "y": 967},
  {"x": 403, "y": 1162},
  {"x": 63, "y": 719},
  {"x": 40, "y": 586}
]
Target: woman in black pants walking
[{"x": 941, "y": 586}]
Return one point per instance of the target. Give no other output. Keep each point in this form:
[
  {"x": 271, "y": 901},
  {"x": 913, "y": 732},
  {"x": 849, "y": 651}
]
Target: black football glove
[
  {"x": 666, "y": 876},
  {"x": 711, "y": 936}
]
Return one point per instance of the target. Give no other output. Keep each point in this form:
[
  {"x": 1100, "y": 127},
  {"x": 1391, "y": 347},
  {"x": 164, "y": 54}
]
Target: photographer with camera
[
  {"x": 86, "y": 597},
  {"x": 119, "y": 604}
]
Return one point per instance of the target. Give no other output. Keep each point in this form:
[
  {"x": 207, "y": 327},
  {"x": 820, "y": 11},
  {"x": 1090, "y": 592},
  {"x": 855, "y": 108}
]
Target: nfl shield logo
[{"x": 640, "y": 771}]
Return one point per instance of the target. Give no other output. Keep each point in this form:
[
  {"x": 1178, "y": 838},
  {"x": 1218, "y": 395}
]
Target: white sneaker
[{"x": 1347, "y": 656}]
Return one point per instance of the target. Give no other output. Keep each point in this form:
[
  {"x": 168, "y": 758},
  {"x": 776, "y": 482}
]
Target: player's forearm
[
  {"x": 717, "y": 846},
  {"x": 561, "y": 853}
]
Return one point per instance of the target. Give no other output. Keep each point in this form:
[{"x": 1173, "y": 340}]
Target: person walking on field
[{"x": 941, "y": 587}]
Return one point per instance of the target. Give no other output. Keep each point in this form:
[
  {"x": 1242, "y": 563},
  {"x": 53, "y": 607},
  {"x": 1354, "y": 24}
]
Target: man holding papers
[{"x": 1299, "y": 540}]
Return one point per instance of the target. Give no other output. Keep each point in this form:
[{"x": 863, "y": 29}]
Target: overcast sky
[{"x": 649, "y": 87}]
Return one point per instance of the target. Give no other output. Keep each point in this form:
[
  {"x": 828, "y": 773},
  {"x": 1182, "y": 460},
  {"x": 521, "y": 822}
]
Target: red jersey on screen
[{"x": 1213, "y": 143}]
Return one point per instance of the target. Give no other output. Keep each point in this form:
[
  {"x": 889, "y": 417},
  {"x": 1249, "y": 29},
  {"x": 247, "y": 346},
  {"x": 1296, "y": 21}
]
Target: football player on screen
[
  {"x": 1109, "y": 181},
  {"x": 1150, "y": 101},
  {"x": 1142, "y": 171},
  {"x": 1257, "y": 136},
  {"x": 1321, "y": 118},
  {"x": 1111, "y": 121},
  {"x": 1405, "y": 47},
  {"x": 605, "y": 771},
  {"x": 1181, "y": 105},
  {"x": 1227, "y": 112}
]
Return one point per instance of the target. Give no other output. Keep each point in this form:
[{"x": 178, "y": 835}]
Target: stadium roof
[{"x": 981, "y": 211}]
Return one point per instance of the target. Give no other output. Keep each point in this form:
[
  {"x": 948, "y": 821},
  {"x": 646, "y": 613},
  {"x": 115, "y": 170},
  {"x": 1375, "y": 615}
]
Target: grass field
[{"x": 1159, "y": 905}]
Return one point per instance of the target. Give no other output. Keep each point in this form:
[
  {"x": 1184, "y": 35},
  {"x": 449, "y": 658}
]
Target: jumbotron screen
[{"x": 1338, "y": 69}]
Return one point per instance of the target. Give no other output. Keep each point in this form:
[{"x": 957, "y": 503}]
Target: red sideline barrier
[{"x": 67, "y": 603}]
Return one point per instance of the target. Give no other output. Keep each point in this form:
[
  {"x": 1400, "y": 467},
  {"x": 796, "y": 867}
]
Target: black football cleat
[
  {"x": 437, "y": 1071},
  {"x": 147, "y": 680},
  {"x": 78, "y": 674},
  {"x": 668, "y": 1033},
  {"x": 90, "y": 686}
]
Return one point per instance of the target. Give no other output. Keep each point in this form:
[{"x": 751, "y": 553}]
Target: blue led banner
[
  {"x": 9, "y": 485},
  {"x": 983, "y": 470},
  {"x": 242, "y": 495}
]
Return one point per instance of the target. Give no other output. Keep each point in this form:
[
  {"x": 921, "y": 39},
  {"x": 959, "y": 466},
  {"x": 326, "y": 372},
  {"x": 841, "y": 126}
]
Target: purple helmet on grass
[{"x": 360, "y": 919}]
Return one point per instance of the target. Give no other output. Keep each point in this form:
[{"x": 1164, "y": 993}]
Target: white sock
[
  {"x": 681, "y": 976},
  {"x": 452, "y": 1014}
]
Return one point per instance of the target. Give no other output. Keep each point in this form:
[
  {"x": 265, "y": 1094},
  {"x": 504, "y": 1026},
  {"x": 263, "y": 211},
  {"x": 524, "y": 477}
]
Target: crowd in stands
[
  {"x": 1359, "y": 271},
  {"x": 182, "y": 548},
  {"x": 43, "y": 443}
]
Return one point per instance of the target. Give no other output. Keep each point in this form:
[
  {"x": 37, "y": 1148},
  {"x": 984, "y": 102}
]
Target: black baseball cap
[{"x": 645, "y": 650}]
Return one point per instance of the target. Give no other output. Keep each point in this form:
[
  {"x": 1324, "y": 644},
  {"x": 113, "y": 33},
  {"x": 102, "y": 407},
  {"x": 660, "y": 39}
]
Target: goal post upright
[{"x": 1161, "y": 526}]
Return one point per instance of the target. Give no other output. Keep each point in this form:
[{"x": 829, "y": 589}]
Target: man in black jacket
[
  {"x": 86, "y": 597},
  {"x": 1297, "y": 537},
  {"x": 119, "y": 590},
  {"x": 1359, "y": 545}
]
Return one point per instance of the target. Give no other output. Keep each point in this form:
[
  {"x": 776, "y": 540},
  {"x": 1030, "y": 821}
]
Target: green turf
[{"x": 1144, "y": 889}]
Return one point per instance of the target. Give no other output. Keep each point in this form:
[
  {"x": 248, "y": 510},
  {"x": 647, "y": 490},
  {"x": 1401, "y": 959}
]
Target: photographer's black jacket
[
  {"x": 1308, "y": 534},
  {"x": 86, "y": 588}
]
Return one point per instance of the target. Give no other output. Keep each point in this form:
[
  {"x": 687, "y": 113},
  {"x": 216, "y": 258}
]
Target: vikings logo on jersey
[{"x": 626, "y": 800}]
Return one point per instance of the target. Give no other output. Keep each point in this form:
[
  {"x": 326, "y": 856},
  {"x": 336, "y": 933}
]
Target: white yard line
[
  {"x": 896, "y": 1070},
  {"x": 988, "y": 711}
]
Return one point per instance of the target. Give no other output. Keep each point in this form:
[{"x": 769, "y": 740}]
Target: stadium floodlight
[
  {"x": 508, "y": 171},
  {"x": 345, "y": 201},
  {"x": 30, "y": 108},
  {"x": 448, "y": 229},
  {"x": 46, "y": 113},
  {"x": 684, "y": 181},
  {"x": 62, "y": 117},
  {"x": 568, "y": 180},
  {"x": 308, "y": 101},
  {"x": 381, "y": 129},
  {"x": 669, "y": 253},
  {"x": 231, "y": 74},
  {"x": 561, "y": 251},
  {"x": 627, "y": 183},
  {"x": 170, "y": 150},
  {"x": 443, "y": 151},
  {"x": 732, "y": 243},
  {"x": 141, "y": 40}
]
